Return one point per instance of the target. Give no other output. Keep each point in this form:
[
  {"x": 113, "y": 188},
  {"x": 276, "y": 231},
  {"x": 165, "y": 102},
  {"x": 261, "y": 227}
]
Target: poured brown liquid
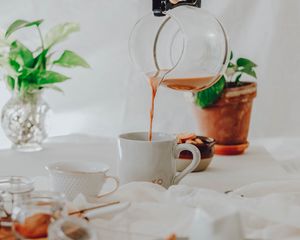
[
  {"x": 188, "y": 84},
  {"x": 154, "y": 82},
  {"x": 180, "y": 84}
]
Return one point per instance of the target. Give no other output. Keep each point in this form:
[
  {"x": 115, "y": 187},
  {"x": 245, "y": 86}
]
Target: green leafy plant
[
  {"x": 231, "y": 78},
  {"x": 29, "y": 71}
]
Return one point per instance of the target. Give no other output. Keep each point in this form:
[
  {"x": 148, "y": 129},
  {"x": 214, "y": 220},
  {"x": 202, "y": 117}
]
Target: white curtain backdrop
[{"x": 112, "y": 97}]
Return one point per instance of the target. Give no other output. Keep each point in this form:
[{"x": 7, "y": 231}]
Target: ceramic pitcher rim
[{"x": 62, "y": 167}]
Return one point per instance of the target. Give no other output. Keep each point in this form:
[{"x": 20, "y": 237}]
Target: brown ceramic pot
[{"x": 228, "y": 120}]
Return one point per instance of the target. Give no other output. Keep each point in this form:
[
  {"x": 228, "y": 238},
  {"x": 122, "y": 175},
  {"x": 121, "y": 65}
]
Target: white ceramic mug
[
  {"x": 155, "y": 161},
  {"x": 73, "y": 178}
]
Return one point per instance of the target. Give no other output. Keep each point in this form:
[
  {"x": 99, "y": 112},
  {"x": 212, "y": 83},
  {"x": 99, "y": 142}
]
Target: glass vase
[{"x": 23, "y": 121}]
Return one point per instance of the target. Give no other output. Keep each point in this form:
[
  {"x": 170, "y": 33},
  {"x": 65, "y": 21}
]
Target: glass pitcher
[{"x": 180, "y": 45}]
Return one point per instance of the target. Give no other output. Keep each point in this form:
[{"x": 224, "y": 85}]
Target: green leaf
[
  {"x": 14, "y": 64},
  {"x": 237, "y": 79},
  {"x": 18, "y": 24},
  {"x": 60, "y": 33},
  {"x": 40, "y": 62},
  {"x": 209, "y": 96},
  {"x": 29, "y": 74},
  {"x": 249, "y": 71},
  {"x": 231, "y": 55},
  {"x": 11, "y": 82},
  {"x": 21, "y": 54},
  {"x": 71, "y": 59},
  {"x": 243, "y": 62},
  {"x": 50, "y": 77}
]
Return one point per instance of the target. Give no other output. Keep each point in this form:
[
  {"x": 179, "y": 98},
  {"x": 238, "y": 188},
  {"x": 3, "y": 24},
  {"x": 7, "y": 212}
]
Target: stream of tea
[{"x": 181, "y": 84}]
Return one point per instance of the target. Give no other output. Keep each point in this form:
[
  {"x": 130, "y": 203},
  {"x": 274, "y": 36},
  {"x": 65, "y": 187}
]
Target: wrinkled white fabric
[
  {"x": 159, "y": 212},
  {"x": 264, "y": 210}
]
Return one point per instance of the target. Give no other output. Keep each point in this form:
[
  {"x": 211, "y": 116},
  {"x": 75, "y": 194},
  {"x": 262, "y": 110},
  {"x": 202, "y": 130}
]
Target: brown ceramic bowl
[{"x": 206, "y": 149}]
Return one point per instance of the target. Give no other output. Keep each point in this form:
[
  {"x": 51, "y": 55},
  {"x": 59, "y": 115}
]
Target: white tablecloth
[
  {"x": 269, "y": 210},
  {"x": 225, "y": 173}
]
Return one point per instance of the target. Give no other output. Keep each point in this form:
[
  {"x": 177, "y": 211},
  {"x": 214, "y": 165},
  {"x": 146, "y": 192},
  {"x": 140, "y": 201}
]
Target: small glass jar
[
  {"x": 32, "y": 218},
  {"x": 5, "y": 219},
  {"x": 14, "y": 190},
  {"x": 71, "y": 228}
]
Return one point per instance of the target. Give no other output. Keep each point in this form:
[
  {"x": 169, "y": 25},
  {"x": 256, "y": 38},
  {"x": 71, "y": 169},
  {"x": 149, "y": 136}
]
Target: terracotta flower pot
[{"x": 228, "y": 120}]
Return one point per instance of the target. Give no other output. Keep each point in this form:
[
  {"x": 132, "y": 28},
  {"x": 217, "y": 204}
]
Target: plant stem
[{"x": 41, "y": 37}]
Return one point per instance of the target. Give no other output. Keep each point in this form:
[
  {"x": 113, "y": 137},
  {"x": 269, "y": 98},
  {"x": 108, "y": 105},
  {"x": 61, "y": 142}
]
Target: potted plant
[
  {"x": 27, "y": 74},
  {"x": 223, "y": 111}
]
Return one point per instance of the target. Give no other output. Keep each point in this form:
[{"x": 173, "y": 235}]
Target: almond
[
  {"x": 198, "y": 140},
  {"x": 187, "y": 136}
]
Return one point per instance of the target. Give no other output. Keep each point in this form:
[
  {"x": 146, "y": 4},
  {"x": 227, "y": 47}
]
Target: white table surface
[{"x": 225, "y": 173}]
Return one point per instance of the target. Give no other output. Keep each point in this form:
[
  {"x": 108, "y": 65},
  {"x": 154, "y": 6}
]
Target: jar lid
[{"x": 16, "y": 184}]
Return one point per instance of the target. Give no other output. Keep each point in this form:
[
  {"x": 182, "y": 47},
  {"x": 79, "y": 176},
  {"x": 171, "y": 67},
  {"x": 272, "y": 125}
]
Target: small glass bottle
[
  {"x": 32, "y": 218},
  {"x": 14, "y": 190}
]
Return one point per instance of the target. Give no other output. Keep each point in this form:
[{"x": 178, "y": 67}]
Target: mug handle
[
  {"x": 117, "y": 182},
  {"x": 195, "y": 162}
]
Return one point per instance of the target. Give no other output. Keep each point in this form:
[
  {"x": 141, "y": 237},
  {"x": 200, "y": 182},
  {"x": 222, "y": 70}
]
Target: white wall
[{"x": 112, "y": 97}]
